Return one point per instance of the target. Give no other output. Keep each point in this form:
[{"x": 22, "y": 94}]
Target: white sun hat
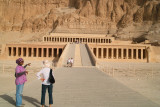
[{"x": 46, "y": 63}]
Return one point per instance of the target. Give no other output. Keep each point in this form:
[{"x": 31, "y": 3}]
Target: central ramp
[
  {"x": 70, "y": 53},
  {"x": 85, "y": 56},
  {"x": 80, "y": 54},
  {"x": 89, "y": 87}
]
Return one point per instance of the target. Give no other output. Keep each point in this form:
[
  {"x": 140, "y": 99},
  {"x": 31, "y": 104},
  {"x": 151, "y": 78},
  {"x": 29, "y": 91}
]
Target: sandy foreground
[
  {"x": 143, "y": 78},
  {"x": 140, "y": 77}
]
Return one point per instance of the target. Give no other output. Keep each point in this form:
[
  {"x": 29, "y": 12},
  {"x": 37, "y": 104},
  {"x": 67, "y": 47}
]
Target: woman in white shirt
[{"x": 45, "y": 83}]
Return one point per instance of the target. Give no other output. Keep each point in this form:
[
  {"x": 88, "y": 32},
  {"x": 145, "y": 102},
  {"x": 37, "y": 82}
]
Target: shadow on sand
[
  {"x": 8, "y": 99},
  {"x": 31, "y": 100}
]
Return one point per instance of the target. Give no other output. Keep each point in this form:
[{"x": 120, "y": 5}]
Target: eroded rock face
[{"x": 37, "y": 15}]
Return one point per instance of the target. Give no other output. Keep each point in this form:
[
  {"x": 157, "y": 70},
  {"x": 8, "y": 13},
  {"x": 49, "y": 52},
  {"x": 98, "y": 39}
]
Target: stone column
[
  {"x": 21, "y": 51},
  {"x": 148, "y": 53},
  {"x": 32, "y": 51},
  {"x": 127, "y": 53},
  {"x": 67, "y": 39},
  {"x": 37, "y": 52},
  {"x": 132, "y": 53},
  {"x": 141, "y": 54},
  {"x": 122, "y": 53},
  {"x": 16, "y": 51},
  {"x": 56, "y": 39},
  {"x": 11, "y": 51},
  {"x": 42, "y": 49},
  {"x": 102, "y": 54},
  {"x": 47, "y": 51},
  {"x": 26, "y": 51},
  {"x": 136, "y": 53}
]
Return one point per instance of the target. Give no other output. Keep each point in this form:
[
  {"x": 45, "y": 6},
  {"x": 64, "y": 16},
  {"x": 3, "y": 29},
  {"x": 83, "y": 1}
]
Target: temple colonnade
[
  {"x": 34, "y": 51},
  {"x": 77, "y": 39},
  {"x": 120, "y": 53}
]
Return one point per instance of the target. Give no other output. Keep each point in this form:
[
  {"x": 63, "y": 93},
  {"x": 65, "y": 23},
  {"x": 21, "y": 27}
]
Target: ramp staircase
[
  {"x": 80, "y": 54},
  {"x": 69, "y": 52}
]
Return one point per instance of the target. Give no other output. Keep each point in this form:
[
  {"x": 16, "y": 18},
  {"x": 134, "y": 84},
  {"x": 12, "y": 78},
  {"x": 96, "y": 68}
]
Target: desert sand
[{"x": 141, "y": 77}]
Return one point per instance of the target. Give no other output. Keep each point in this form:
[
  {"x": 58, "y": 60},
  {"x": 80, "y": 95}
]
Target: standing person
[
  {"x": 45, "y": 83},
  {"x": 20, "y": 74},
  {"x": 71, "y": 61},
  {"x": 68, "y": 62}
]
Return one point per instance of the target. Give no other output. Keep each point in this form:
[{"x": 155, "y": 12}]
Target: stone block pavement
[{"x": 81, "y": 87}]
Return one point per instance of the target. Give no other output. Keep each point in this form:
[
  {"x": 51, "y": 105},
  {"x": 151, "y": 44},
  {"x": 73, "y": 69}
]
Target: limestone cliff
[{"x": 93, "y": 15}]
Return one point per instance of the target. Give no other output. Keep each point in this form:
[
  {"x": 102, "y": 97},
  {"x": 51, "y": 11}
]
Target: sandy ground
[
  {"x": 140, "y": 77},
  {"x": 143, "y": 78}
]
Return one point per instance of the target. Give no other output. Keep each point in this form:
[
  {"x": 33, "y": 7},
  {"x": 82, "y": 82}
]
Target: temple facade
[{"x": 103, "y": 47}]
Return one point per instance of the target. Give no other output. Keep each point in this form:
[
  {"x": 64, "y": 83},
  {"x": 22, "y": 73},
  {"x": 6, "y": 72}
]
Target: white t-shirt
[
  {"x": 72, "y": 61},
  {"x": 68, "y": 60},
  {"x": 45, "y": 73}
]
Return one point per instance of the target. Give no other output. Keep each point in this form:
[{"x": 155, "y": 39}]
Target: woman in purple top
[{"x": 20, "y": 74}]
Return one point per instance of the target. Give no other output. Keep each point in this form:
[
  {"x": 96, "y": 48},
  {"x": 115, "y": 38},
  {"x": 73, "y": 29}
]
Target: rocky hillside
[{"x": 124, "y": 18}]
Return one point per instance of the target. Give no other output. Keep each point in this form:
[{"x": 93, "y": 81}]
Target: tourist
[
  {"x": 45, "y": 83},
  {"x": 20, "y": 74},
  {"x": 68, "y": 62},
  {"x": 71, "y": 62}
]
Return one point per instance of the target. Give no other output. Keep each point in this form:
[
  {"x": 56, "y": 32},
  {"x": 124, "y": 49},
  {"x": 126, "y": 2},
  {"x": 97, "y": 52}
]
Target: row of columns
[
  {"x": 83, "y": 40},
  {"x": 120, "y": 53},
  {"x": 34, "y": 52}
]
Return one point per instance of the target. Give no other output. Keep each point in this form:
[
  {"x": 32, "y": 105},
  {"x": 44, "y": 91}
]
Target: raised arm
[{"x": 27, "y": 65}]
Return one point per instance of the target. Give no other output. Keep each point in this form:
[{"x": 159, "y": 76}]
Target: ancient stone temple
[{"x": 98, "y": 48}]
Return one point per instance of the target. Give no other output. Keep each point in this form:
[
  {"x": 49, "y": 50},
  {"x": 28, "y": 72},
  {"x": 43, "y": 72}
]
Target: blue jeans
[
  {"x": 19, "y": 90},
  {"x": 44, "y": 87}
]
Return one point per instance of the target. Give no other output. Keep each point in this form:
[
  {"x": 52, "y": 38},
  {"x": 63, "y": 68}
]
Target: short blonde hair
[{"x": 46, "y": 63}]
